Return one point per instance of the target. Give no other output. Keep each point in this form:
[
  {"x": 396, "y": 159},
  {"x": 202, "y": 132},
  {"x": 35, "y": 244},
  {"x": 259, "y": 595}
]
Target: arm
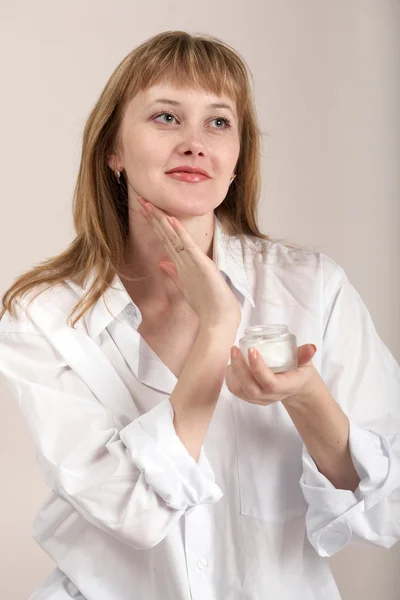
[
  {"x": 197, "y": 391},
  {"x": 134, "y": 482},
  {"x": 324, "y": 428},
  {"x": 363, "y": 380}
]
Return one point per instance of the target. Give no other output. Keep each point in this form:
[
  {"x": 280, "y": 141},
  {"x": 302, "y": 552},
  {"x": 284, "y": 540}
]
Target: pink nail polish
[{"x": 253, "y": 353}]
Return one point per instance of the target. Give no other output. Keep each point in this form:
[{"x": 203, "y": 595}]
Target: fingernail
[{"x": 253, "y": 353}]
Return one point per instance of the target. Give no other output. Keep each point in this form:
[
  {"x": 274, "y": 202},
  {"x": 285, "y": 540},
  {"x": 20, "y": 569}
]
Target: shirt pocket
[{"x": 269, "y": 462}]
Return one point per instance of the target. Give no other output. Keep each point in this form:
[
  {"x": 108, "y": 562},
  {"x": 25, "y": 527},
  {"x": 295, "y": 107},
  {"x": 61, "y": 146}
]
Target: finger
[
  {"x": 235, "y": 388},
  {"x": 244, "y": 377},
  {"x": 192, "y": 250},
  {"x": 266, "y": 378},
  {"x": 158, "y": 220},
  {"x": 273, "y": 382},
  {"x": 141, "y": 200},
  {"x": 193, "y": 255},
  {"x": 232, "y": 383},
  {"x": 185, "y": 237}
]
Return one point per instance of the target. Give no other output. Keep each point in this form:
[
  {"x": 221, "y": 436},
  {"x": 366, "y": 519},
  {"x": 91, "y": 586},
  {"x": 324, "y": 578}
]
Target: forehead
[{"x": 182, "y": 95}]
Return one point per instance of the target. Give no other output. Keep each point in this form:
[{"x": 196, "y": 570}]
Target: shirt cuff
[
  {"x": 331, "y": 510},
  {"x": 167, "y": 466}
]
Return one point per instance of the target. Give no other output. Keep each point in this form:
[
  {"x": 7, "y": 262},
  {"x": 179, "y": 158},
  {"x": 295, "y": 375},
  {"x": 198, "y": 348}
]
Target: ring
[{"x": 179, "y": 248}]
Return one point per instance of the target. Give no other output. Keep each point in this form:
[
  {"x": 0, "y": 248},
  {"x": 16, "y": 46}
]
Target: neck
[{"x": 145, "y": 250}]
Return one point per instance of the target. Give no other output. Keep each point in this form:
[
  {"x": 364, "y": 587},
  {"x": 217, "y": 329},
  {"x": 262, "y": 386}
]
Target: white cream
[{"x": 276, "y": 345}]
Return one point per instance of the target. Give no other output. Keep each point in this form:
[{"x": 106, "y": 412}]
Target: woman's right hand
[{"x": 193, "y": 272}]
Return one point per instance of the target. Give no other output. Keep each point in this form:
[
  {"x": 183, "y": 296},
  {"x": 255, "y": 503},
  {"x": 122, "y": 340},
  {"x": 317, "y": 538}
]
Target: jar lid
[{"x": 267, "y": 331}]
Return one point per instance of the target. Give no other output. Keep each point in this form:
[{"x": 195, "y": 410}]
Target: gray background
[{"x": 328, "y": 96}]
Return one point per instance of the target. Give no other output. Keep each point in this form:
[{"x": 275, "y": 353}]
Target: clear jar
[{"x": 276, "y": 345}]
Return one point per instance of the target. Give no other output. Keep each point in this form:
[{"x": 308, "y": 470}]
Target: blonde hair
[{"x": 100, "y": 209}]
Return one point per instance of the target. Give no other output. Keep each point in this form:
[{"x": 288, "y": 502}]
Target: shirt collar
[{"x": 227, "y": 255}]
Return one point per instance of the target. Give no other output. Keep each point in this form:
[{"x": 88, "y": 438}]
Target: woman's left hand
[{"x": 257, "y": 384}]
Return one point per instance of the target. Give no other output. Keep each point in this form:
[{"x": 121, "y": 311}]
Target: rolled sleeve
[
  {"x": 166, "y": 464},
  {"x": 116, "y": 477},
  {"x": 364, "y": 378},
  {"x": 334, "y": 515}
]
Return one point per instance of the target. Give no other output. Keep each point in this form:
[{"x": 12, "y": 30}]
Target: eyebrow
[{"x": 176, "y": 103}]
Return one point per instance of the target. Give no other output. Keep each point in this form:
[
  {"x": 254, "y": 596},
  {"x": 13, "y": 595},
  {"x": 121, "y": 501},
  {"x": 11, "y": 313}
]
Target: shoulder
[
  {"x": 293, "y": 270},
  {"x": 55, "y": 302},
  {"x": 267, "y": 253}
]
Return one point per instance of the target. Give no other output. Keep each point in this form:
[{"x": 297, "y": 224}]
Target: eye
[
  {"x": 168, "y": 114},
  {"x": 223, "y": 120}
]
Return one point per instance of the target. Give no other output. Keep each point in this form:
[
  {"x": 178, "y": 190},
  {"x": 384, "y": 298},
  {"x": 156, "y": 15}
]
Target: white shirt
[{"x": 131, "y": 515}]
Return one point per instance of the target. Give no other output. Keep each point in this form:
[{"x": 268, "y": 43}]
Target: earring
[
  {"x": 117, "y": 175},
  {"x": 232, "y": 179}
]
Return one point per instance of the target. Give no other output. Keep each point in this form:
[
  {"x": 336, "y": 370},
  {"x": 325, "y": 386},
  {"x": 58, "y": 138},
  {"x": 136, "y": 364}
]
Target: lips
[
  {"x": 188, "y": 177},
  {"x": 188, "y": 169}
]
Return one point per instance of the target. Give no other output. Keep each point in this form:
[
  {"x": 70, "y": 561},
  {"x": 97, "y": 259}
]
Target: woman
[{"x": 175, "y": 475}]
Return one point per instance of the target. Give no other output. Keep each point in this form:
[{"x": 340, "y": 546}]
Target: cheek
[
  {"x": 235, "y": 151},
  {"x": 227, "y": 156},
  {"x": 144, "y": 158}
]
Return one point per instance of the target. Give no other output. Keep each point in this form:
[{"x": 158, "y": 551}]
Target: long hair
[{"x": 100, "y": 209}]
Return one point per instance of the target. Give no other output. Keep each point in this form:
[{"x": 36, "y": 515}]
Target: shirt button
[
  {"x": 202, "y": 563},
  {"x": 130, "y": 310}
]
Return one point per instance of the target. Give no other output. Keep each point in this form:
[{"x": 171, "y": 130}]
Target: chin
[
  {"x": 185, "y": 207},
  {"x": 192, "y": 212}
]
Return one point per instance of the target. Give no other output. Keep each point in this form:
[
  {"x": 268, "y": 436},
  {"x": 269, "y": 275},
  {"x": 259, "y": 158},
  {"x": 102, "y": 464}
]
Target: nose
[
  {"x": 194, "y": 150},
  {"x": 192, "y": 142}
]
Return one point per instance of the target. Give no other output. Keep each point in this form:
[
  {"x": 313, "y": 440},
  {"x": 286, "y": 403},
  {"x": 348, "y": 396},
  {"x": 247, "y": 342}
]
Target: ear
[{"x": 114, "y": 162}]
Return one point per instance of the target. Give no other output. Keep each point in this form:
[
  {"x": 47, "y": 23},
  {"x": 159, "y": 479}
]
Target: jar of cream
[{"x": 276, "y": 345}]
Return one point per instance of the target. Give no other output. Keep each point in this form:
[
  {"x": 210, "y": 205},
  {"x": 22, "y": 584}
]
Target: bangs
[{"x": 187, "y": 62}]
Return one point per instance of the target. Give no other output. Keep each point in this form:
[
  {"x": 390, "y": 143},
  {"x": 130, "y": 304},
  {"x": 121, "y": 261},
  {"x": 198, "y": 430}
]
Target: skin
[
  {"x": 151, "y": 144},
  {"x": 150, "y": 147},
  {"x": 318, "y": 418}
]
